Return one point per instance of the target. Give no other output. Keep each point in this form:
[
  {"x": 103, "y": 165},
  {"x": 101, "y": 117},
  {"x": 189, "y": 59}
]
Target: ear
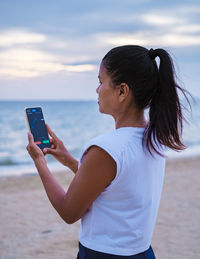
[{"x": 123, "y": 91}]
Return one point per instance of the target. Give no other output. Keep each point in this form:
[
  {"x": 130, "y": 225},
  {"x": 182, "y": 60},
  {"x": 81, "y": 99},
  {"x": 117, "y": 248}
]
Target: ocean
[{"x": 75, "y": 122}]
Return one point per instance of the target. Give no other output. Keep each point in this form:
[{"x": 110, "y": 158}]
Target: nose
[{"x": 97, "y": 90}]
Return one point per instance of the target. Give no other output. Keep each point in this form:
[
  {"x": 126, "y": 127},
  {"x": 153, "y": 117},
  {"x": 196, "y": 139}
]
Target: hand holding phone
[
  {"x": 60, "y": 152},
  {"x": 55, "y": 146},
  {"x": 58, "y": 149},
  {"x": 37, "y": 127}
]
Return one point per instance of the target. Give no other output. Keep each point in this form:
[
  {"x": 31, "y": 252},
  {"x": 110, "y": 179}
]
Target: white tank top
[{"x": 121, "y": 220}]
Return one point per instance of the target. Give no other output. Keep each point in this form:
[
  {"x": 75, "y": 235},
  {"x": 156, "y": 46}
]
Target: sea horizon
[{"x": 75, "y": 122}]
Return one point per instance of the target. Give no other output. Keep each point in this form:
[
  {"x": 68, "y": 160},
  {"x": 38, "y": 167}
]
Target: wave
[
  {"x": 28, "y": 169},
  {"x": 8, "y": 162},
  {"x": 191, "y": 151},
  {"x": 10, "y": 159}
]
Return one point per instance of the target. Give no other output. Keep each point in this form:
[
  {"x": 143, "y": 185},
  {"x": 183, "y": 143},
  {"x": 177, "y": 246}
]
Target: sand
[{"x": 31, "y": 228}]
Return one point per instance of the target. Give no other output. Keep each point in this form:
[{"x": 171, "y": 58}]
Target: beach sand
[{"x": 31, "y": 228}]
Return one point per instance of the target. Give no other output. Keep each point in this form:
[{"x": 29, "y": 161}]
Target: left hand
[{"x": 34, "y": 151}]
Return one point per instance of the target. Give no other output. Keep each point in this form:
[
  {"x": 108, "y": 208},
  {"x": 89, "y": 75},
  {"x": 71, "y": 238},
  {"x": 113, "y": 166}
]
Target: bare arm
[
  {"x": 97, "y": 171},
  {"x": 60, "y": 152}
]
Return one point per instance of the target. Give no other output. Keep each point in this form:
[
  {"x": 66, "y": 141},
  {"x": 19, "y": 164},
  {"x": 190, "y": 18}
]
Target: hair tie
[{"x": 152, "y": 54}]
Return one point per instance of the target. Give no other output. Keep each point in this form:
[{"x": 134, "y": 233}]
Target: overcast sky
[{"x": 52, "y": 49}]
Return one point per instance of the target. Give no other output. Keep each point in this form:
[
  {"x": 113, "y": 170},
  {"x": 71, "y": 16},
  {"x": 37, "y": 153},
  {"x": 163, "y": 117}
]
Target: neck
[{"x": 130, "y": 118}]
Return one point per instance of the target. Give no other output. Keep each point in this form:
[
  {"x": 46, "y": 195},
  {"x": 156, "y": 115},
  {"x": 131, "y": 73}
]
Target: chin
[{"x": 102, "y": 111}]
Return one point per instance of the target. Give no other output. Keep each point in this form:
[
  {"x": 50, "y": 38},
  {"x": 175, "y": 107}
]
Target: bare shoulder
[
  {"x": 96, "y": 155},
  {"x": 97, "y": 166}
]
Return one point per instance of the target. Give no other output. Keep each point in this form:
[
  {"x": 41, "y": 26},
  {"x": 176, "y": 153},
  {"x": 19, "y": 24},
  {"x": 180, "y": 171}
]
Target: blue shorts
[{"x": 86, "y": 253}]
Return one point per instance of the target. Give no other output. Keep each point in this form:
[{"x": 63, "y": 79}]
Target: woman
[{"x": 118, "y": 182}]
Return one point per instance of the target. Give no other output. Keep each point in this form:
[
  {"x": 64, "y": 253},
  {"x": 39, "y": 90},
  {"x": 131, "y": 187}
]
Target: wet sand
[{"x": 31, "y": 228}]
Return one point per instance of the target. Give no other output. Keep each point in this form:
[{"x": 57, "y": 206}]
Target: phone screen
[{"x": 37, "y": 126}]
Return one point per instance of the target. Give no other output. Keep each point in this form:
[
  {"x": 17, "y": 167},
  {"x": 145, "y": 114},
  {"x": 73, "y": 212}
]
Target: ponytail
[
  {"x": 165, "y": 110},
  {"x": 153, "y": 87}
]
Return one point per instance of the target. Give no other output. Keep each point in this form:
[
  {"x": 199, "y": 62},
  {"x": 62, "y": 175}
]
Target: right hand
[{"x": 58, "y": 150}]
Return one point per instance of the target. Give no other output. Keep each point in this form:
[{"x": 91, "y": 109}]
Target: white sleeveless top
[{"x": 121, "y": 220}]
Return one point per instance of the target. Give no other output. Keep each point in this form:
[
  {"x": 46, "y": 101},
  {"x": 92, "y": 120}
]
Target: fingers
[
  {"x": 53, "y": 145},
  {"x": 30, "y": 138},
  {"x": 32, "y": 148},
  {"x": 49, "y": 151},
  {"x": 44, "y": 150},
  {"x": 51, "y": 133}
]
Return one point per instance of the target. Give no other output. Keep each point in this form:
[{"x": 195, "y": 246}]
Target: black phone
[{"x": 37, "y": 127}]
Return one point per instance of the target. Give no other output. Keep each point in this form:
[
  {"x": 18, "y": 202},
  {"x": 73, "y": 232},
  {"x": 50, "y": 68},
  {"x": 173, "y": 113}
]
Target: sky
[{"x": 51, "y": 50}]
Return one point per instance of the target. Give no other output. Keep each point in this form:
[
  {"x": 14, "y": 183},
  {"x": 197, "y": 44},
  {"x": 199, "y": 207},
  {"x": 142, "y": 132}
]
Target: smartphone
[{"x": 37, "y": 127}]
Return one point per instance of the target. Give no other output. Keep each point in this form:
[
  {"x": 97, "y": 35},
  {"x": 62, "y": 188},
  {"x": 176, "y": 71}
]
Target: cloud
[
  {"x": 189, "y": 28},
  {"x": 160, "y": 20},
  {"x": 80, "y": 68},
  {"x": 164, "y": 28},
  {"x": 26, "y": 54},
  {"x": 12, "y": 37},
  {"x": 22, "y": 55},
  {"x": 32, "y": 63},
  {"x": 151, "y": 38}
]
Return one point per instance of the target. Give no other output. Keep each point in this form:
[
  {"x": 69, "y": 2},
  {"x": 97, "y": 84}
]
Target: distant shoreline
[
  {"x": 29, "y": 169},
  {"x": 76, "y": 122}
]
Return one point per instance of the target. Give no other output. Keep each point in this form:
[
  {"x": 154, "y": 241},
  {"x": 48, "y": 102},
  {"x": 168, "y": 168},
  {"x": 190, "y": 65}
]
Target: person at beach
[{"x": 118, "y": 181}]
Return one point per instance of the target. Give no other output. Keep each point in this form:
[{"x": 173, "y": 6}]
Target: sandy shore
[{"x": 30, "y": 228}]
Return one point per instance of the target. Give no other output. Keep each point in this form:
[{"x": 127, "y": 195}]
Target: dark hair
[{"x": 153, "y": 87}]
